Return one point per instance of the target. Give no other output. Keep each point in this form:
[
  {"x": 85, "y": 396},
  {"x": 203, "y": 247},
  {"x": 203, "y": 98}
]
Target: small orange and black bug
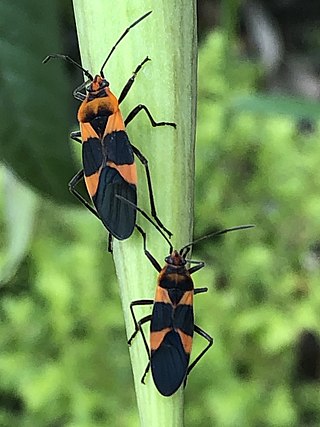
[
  {"x": 107, "y": 154},
  {"x": 172, "y": 320}
]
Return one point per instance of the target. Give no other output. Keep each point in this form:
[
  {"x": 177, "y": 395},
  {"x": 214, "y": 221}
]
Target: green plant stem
[{"x": 167, "y": 85}]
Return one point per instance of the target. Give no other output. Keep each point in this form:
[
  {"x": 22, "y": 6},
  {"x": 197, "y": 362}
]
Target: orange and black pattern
[{"x": 108, "y": 159}]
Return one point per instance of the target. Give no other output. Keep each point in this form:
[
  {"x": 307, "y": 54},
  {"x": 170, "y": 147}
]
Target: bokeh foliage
[
  {"x": 35, "y": 98},
  {"x": 259, "y": 168},
  {"x": 64, "y": 359}
]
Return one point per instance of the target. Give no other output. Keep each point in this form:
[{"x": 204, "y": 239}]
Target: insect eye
[{"x": 104, "y": 83}]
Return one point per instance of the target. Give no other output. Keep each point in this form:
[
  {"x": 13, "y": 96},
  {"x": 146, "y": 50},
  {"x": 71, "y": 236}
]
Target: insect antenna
[
  {"x": 148, "y": 218},
  {"x": 68, "y": 59},
  {"x": 120, "y": 38},
  {"x": 185, "y": 249}
]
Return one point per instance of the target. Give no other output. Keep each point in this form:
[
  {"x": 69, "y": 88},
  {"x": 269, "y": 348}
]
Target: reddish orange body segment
[
  {"x": 186, "y": 341},
  {"x": 94, "y": 105},
  {"x": 156, "y": 338}
]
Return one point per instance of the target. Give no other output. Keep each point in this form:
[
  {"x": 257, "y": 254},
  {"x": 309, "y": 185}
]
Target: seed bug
[
  {"x": 172, "y": 320},
  {"x": 107, "y": 154}
]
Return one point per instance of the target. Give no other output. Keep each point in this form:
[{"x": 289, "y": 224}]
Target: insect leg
[
  {"x": 144, "y": 162},
  {"x": 198, "y": 267},
  {"x": 200, "y": 290},
  {"x": 150, "y": 257},
  {"x": 72, "y": 184},
  {"x": 145, "y": 373},
  {"x": 202, "y": 333},
  {"x": 130, "y": 82},
  {"x": 79, "y": 95},
  {"x": 110, "y": 244},
  {"x": 75, "y": 136},
  {"x": 138, "y": 324},
  {"x": 137, "y": 110}
]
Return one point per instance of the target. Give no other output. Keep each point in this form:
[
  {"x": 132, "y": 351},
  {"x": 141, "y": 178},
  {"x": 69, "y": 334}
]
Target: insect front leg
[
  {"x": 79, "y": 95},
  {"x": 130, "y": 82},
  {"x": 76, "y": 136}
]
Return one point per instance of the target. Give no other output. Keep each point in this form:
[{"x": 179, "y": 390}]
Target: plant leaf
[
  {"x": 35, "y": 98},
  {"x": 19, "y": 215}
]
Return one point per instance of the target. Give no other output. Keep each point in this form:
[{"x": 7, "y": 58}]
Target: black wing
[{"x": 169, "y": 364}]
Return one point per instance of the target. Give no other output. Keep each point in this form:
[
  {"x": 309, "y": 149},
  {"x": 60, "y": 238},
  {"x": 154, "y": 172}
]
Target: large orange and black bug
[
  {"x": 107, "y": 154},
  {"x": 172, "y": 320}
]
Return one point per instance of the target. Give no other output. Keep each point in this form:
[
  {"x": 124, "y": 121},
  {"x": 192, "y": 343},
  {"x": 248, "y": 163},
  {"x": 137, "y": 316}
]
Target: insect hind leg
[
  {"x": 210, "y": 340},
  {"x": 145, "y": 164},
  {"x": 148, "y": 254},
  {"x": 145, "y": 373}
]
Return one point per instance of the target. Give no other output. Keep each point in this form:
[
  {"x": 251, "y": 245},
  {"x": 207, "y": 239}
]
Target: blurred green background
[{"x": 64, "y": 359}]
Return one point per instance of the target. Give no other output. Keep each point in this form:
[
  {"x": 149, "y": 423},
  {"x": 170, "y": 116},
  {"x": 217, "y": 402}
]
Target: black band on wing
[
  {"x": 161, "y": 316},
  {"x": 184, "y": 319},
  {"x": 118, "y": 148},
  {"x": 92, "y": 157}
]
